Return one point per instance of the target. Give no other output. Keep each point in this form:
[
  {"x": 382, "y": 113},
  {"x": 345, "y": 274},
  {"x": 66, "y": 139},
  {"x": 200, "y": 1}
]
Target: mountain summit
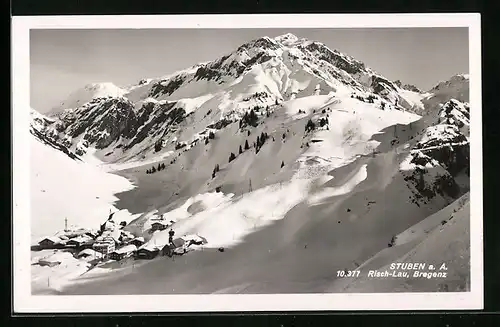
[
  {"x": 260, "y": 74},
  {"x": 87, "y": 93}
]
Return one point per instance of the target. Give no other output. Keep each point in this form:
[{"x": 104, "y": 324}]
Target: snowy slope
[
  {"x": 63, "y": 188},
  {"x": 442, "y": 238}
]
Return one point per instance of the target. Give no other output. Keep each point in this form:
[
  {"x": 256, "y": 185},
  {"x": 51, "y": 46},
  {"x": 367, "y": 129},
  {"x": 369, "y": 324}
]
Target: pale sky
[{"x": 65, "y": 60}]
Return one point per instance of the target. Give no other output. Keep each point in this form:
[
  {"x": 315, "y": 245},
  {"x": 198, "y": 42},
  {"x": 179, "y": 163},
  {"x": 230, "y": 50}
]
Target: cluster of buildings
[{"x": 111, "y": 241}]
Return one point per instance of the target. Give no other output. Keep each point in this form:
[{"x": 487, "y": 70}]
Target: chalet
[
  {"x": 80, "y": 241},
  {"x": 159, "y": 225},
  {"x": 138, "y": 241},
  {"x": 126, "y": 236},
  {"x": 170, "y": 249},
  {"x": 104, "y": 246},
  {"x": 147, "y": 252},
  {"x": 124, "y": 252},
  {"x": 49, "y": 242}
]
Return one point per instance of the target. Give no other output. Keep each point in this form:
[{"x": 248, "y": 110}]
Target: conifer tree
[
  {"x": 232, "y": 157},
  {"x": 241, "y": 150},
  {"x": 310, "y": 125},
  {"x": 282, "y": 164},
  {"x": 246, "y": 145}
]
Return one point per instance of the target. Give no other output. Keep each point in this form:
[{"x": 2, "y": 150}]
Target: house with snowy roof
[
  {"x": 105, "y": 245},
  {"x": 170, "y": 249},
  {"x": 126, "y": 236},
  {"x": 123, "y": 252},
  {"x": 49, "y": 242},
  {"x": 80, "y": 241},
  {"x": 138, "y": 241},
  {"x": 159, "y": 225},
  {"x": 147, "y": 251}
]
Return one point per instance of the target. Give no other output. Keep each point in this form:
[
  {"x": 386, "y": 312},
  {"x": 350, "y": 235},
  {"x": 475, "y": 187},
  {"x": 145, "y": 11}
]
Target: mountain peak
[
  {"x": 100, "y": 86},
  {"x": 287, "y": 38},
  {"x": 454, "y": 81},
  {"x": 87, "y": 93}
]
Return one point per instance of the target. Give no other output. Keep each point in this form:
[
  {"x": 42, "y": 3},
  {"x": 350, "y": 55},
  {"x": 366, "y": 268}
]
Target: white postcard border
[{"x": 24, "y": 302}]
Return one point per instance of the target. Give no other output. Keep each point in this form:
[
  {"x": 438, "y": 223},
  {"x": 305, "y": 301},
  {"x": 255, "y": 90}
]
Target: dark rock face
[
  {"x": 207, "y": 73},
  {"x": 159, "y": 88},
  {"x": 445, "y": 151},
  {"x": 163, "y": 116},
  {"x": 263, "y": 43},
  {"x": 336, "y": 59},
  {"x": 103, "y": 121},
  {"x": 119, "y": 121},
  {"x": 42, "y": 137},
  {"x": 409, "y": 87},
  {"x": 221, "y": 123},
  {"x": 261, "y": 57},
  {"x": 456, "y": 113},
  {"x": 381, "y": 85}
]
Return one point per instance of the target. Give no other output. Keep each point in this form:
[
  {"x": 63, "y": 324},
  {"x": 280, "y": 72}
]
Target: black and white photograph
[{"x": 247, "y": 162}]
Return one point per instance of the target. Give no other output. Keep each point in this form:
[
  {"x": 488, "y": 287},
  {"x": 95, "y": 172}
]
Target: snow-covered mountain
[
  {"x": 457, "y": 87},
  {"x": 86, "y": 94},
  {"x": 339, "y": 159},
  {"x": 259, "y": 74}
]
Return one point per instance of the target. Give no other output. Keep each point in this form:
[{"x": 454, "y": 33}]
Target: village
[{"x": 112, "y": 242}]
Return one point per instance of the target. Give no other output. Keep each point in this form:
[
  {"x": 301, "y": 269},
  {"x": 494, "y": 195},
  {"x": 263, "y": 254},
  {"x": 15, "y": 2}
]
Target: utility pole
[
  {"x": 65, "y": 224},
  {"x": 250, "y": 185}
]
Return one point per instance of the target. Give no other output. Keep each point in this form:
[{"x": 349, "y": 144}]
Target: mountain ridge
[{"x": 259, "y": 74}]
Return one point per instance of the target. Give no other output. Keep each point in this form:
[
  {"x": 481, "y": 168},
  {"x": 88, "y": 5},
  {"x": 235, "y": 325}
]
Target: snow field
[{"x": 62, "y": 188}]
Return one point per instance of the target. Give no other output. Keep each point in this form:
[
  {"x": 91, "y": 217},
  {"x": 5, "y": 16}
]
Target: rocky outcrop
[
  {"x": 408, "y": 87},
  {"x": 441, "y": 154}
]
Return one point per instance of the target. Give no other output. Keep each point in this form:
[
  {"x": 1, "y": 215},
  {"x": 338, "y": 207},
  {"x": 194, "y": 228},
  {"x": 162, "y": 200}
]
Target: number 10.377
[{"x": 348, "y": 273}]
